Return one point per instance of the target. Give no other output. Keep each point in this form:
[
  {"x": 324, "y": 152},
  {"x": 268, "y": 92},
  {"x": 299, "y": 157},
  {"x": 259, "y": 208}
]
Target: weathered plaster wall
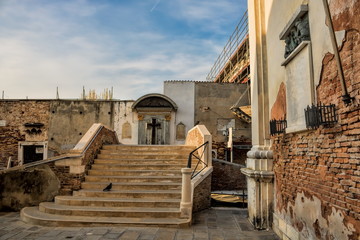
[
  {"x": 183, "y": 94},
  {"x": 16, "y": 113},
  {"x": 64, "y": 123},
  {"x": 28, "y": 187},
  {"x": 212, "y": 105},
  {"x": 70, "y": 119},
  {"x": 320, "y": 39},
  {"x": 123, "y": 114}
]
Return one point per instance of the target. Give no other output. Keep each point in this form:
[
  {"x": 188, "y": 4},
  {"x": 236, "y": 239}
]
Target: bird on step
[{"x": 107, "y": 188}]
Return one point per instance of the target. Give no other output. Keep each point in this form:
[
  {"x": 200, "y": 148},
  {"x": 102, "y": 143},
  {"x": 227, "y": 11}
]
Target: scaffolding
[{"x": 233, "y": 64}]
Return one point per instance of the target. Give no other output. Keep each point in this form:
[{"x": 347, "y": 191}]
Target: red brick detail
[{"x": 278, "y": 110}]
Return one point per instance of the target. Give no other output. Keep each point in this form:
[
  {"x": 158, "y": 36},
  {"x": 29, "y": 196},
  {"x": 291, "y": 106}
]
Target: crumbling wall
[
  {"x": 14, "y": 114},
  {"x": 29, "y": 187},
  {"x": 70, "y": 119},
  {"x": 317, "y": 172}
]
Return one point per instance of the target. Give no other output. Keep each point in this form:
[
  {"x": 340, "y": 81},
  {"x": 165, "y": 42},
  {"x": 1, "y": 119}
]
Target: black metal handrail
[{"x": 191, "y": 154}]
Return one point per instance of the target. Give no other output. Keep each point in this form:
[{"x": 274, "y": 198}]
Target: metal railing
[
  {"x": 234, "y": 46},
  {"x": 191, "y": 154}
]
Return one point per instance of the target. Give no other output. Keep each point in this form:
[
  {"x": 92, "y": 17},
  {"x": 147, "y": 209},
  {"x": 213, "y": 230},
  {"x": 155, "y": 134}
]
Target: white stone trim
[
  {"x": 28, "y": 143},
  {"x": 296, "y": 51},
  {"x": 301, "y": 11}
]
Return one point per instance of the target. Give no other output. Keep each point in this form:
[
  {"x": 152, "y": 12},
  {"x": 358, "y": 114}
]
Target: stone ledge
[
  {"x": 297, "y": 50},
  {"x": 269, "y": 175}
]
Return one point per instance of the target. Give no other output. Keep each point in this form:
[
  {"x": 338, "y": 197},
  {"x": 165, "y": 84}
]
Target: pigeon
[{"x": 108, "y": 188}]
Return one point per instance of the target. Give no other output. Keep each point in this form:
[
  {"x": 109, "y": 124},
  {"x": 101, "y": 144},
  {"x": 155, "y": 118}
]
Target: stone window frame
[
  {"x": 301, "y": 11},
  {"x": 28, "y": 143}
]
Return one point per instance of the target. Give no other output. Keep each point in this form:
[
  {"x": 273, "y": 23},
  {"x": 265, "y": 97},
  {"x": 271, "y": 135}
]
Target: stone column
[
  {"x": 260, "y": 187},
  {"x": 259, "y": 163},
  {"x": 185, "y": 205}
]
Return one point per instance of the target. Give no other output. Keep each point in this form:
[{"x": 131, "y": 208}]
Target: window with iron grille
[
  {"x": 317, "y": 115},
  {"x": 277, "y": 126}
]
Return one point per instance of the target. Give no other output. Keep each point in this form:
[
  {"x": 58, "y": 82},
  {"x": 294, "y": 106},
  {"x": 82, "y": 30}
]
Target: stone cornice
[
  {"x": 264, "y": 175},
  {"x": 260, "y": 154}
]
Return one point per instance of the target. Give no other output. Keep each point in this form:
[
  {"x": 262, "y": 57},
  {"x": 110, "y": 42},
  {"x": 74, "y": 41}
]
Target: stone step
[
  {"x": 134, "y": 179},
  {"x": 156, "y": 194},
  {"x": 141, "y": 161},
  {"x": 32, "y": 215},
  {"x": 142, "y": 156},
  {"x": 134, "y": 172},
  {"x": 117, "y": 202},
  {"x": 131, "y": 186},
  {"x": 131, "y": 212},
  {"x": 145, "y": 152},
  {"x": 149, "y": 147},
  {"x": 137, "y": 166}
]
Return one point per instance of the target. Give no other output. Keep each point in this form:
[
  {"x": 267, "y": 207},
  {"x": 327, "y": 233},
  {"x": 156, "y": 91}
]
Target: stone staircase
[{"x": 146, "y": 190}]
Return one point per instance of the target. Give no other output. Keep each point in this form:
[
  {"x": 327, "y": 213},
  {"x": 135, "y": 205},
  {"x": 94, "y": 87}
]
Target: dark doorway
[
  {"x": 33, "y": 153},
  {"x": 153, "y": 126}
]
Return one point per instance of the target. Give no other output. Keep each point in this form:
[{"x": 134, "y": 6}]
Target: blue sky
[{"x": 131, "y": 45}]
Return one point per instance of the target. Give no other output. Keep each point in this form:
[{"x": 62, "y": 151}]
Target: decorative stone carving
[
  {"x": 167, "y": 117},
  {"x": 140, "y": 117},
  {"x": 299, "y": 32},
  {"x": 154, "y": 102}
]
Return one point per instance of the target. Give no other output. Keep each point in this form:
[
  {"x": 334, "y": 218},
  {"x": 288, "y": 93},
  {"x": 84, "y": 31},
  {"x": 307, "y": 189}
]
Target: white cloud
[{"x": 45, "y": 44}]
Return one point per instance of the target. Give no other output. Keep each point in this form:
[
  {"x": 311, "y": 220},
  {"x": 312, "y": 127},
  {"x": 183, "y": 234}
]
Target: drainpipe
[{"x": 345, "y": 97}]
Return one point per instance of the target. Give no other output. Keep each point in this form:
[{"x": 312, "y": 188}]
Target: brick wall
[
  {"x": 318, "y": 171},
  {"x": 202, "y": 195},
  {"x": 227, "y": 176}
]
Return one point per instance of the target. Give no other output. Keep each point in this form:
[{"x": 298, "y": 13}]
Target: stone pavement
[{"x": 212, "y": 224}]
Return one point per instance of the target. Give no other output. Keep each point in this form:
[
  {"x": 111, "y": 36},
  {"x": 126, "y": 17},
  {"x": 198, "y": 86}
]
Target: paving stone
[
  {"x": 147, "y": 237},
  {"x": 198, "y": 235},
  {"x": 130, "y": 235},
  {"x": 19, "y": 235},
  {"x": 112, "y": 235},
  {"x": 8, "y": 235},
  {"x": 94, "y": 237},
  {"x": 217, "y": 238},
  {"x": 211, "y": 224},
  {"x": 99, "y": 231},
  {"x": 184, "y": 237},
  {"x": 52, "y": 233},
  {"x": 165, "y": 235},
  {"x": 117, "y": 230},
  {"x": 148, "y": 231}
]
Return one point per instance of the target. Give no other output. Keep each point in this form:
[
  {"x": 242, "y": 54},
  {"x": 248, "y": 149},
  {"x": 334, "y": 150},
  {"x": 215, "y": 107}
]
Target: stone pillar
[
  {"x": 185, "y": 205},
  {"x": 260, "y": 185},
  {"x": 259, "y": 164}
]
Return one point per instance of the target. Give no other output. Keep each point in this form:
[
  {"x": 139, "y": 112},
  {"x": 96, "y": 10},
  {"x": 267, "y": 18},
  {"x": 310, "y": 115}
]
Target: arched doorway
[{"x": 155, "y": 112}]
